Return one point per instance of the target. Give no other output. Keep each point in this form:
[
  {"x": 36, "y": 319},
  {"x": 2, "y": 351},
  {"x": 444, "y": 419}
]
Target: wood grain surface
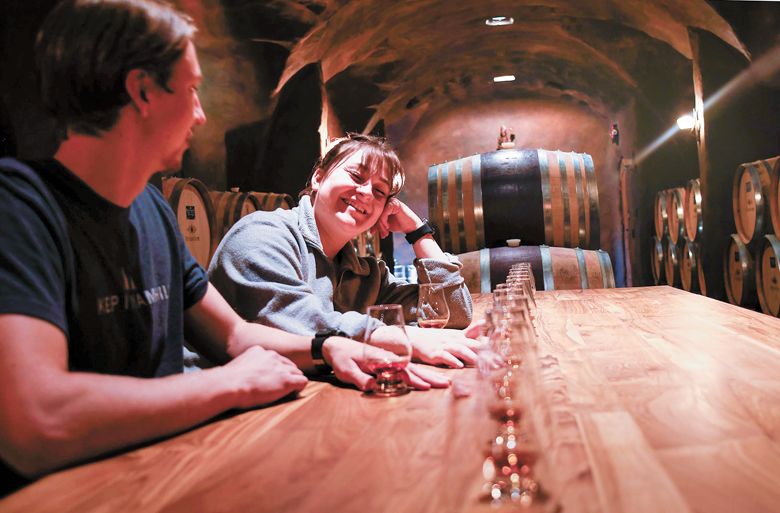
[{"x": 663, "y": 400}]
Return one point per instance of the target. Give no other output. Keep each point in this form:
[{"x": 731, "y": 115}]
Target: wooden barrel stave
[
  {"x": 553, "y": 268},
  {"x": 189, "y": 198},
  {"x": 694, "y": 225},
  {"x": 229, "y": 207},
  {"x": 739, "y": 273},
  {"x": 768, "y": 276},
  {"x": 539, "y": 196},
  {"x": 270, "y": 201}
]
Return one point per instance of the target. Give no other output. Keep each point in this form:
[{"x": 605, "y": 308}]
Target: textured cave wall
[
  {"x": 466, "y": 129},
  {"x": 235, "y": 92}
]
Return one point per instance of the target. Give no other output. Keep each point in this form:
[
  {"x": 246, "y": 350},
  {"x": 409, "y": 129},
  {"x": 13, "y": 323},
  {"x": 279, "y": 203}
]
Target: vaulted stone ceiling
[{"x": 413, "y": 54}]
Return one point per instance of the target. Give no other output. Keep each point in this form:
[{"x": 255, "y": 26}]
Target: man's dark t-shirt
[{"x": 115, "y": 280}]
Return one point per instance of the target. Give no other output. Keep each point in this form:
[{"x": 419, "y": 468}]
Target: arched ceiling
[{"x": 419, "y": 53}]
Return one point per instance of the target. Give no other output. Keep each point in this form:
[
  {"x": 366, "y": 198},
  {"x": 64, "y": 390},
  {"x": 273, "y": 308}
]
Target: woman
[{"x": 297, "y": 269}]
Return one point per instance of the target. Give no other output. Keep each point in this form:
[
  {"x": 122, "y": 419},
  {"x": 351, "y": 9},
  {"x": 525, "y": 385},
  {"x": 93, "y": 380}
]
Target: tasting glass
[
  {"x": 432, "y": 309},
  {"x": 387, "y": 350}
]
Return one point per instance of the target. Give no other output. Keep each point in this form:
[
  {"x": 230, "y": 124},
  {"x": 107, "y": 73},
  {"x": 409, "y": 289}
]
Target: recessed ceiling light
[
  {"x": 504, "y": 78},
  {"x": 497, "y": 21}
]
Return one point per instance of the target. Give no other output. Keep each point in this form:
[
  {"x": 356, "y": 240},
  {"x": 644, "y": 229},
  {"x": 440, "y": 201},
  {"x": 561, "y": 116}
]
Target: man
[{"x": 97, "y": 289}]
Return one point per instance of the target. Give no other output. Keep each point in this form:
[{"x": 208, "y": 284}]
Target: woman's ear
[{"x": 317, "y": 178}]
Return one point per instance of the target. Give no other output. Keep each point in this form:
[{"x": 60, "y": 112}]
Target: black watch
[
  {"x": 316, "y": 349},
  {"x": 420, "y": 232}
]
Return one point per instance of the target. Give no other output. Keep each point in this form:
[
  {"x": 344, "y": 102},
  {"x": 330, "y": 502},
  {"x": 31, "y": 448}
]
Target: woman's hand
[
  {"x": 443, "y": 346},
  {"x": 397, "y": 217}
]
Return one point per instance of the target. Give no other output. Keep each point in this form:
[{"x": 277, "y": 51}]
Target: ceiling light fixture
[
  {"x": 686, "y": 122},
  {"x": 504, "y": 78},
  {"x": 497, "y": 21}
]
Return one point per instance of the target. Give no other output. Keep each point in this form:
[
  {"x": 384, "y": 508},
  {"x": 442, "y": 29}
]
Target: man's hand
[
  {"x": 443, "y": 346},
  {"x": 261, "y": 376},
  {"x": 348, "y": 359}
]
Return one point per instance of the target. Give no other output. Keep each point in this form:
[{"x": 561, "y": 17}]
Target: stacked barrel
[
  {"x": 750, "y": 265},
  {"x": 205, "y": 216},
  {"x": 675, "y": 255},
  {"x": 547, "y": 199}
]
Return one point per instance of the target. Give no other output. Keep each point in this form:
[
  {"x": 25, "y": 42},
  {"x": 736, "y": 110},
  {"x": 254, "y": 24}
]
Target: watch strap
[
  {"x": 317, "y": 356},
  {"x": 420, "y": 232}
]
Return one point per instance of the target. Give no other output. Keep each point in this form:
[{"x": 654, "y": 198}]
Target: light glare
[
  {"x": 686, "y": 122},
  {"x": 497, "y": 21},
  {"x": 504, "y": 78}
]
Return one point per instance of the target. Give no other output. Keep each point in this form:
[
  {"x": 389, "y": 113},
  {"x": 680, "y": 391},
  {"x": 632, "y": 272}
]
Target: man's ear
[{"x": 137, "y": 83}]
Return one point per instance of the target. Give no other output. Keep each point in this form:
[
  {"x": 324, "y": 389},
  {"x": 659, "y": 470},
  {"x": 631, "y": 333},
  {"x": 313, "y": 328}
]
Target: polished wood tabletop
[{"x": 666, "y": 401}]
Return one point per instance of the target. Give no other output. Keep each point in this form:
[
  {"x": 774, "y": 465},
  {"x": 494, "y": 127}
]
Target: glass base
[{"x": 390, "y": 385}]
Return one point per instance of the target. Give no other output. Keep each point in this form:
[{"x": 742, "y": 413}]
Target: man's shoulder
[{"x": 22, "y": 182}]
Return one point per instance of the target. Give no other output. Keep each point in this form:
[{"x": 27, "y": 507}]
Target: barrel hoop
[
  {"x": 593, "y": 202},
  {"x": 583, "y": 268},
  {"x": 484, "y": 270},
  {"x": 434, "y": 208},
  {"x": 582, "y": 240},
  {"x": 544, "y": 173},
  {"x": 479, "y": 214},
  {"x": 565, "y": 195},
  {"x": 459, "y": 206},
  {"x": 607, "y": 274},
  {"x": 547, "y": 271},
  {"x": 451, "y": 206},
  {"x": 444, "y": 207}
]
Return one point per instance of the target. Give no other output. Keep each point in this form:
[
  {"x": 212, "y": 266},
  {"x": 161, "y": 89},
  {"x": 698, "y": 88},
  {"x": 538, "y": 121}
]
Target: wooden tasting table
[{"x": 672, "y": 401}]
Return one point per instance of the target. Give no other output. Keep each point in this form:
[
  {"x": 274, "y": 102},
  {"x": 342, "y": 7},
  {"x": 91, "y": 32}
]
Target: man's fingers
[
  {"x": 415, "y": 381},
  {"x": 463, "y": 352},
  {"x": 474, "y": 329},
  {"x": 351, "y": 373}
]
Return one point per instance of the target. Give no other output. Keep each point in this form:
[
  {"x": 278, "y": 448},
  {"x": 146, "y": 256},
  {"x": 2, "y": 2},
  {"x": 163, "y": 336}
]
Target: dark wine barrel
[
  {"x": 539, "y": 196},
  {"x": 692, "y": 269},
  {"x": 657, "y": 261},
  {"x": 553, "y": 268},
  {"x": 675, "y": 202},
  {"x": 671, "y": 262},
  {"x": 660, "y": 215},
  {"x": 774, "y": 194},
  {"x": 189, "y": 198},
  {"x": 739, "y": 273},
  {"x": 768, "y": 276},
  {"x": 229, "y": 207},
  {"x": 750, "y": 200},
  {"x": 694, "y": 225},
  {"x": 272, "y": 200}
]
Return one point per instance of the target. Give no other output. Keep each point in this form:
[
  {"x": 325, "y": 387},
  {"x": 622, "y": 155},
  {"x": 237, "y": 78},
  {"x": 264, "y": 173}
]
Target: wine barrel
[
  {"x": 774, "y": 194},
  {"x": 768, "y": 276},
  {"x": 691, "y": 268},
  {"x": 750, "y": 200},
  {"x": 657, "y": 261},
  {"x": 229, "y": 207},
  {"x": 189, "y": 198},
  {"x": 739, "y": 274},
  {"x": 671, "y": 262},
  {"x": 694, "y": 225},
  {"x": 270, "y": 201},
  {"x": 553, "y": 268},
  {"x": 675, "y": 219},
  {"x": 539, "y": 196},
  {"x": 660, "y": 215}
]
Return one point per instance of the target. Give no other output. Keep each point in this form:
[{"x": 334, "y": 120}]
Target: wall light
[
  {"x": 497, "y": 21},
  {"x": 687, "y": 121},
  {"x": 504, "y": 78}
]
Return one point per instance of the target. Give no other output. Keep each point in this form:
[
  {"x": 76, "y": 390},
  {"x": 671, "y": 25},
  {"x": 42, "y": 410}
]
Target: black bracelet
[
  {"x": 420, "y": 232},
  {"x": 317, "y": 342}
]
